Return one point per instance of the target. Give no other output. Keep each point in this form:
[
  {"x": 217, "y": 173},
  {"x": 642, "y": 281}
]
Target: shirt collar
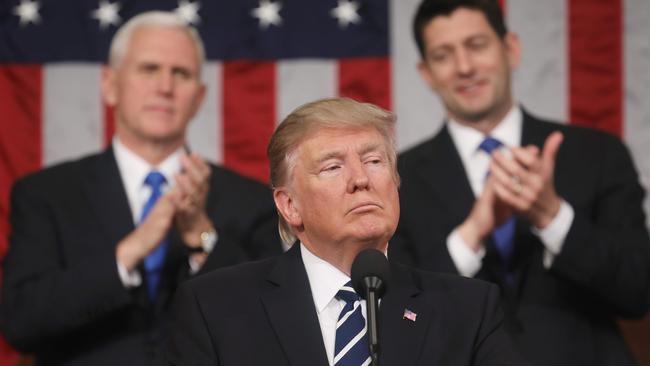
[
  {"x": 325, "y": 280},
  {"x": 468, "y": 139},
  {"x": 134, "y": 169}
]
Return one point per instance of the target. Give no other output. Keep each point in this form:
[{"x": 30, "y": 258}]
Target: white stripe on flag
[
  {"x": 205, "y": 133},
  {"x": 636, "y": 128},
  {"x": 72, "y": 111},
  {"x": 418, "y": 111},
  {"x": 302, "y": 81},
  {"x": 541, "y": 82}
]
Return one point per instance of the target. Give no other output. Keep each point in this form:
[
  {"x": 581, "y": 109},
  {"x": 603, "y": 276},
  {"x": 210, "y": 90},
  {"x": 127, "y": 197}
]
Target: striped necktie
[
  {"x": 351, "y": 343},
  {"x": 153, "y": 263}
]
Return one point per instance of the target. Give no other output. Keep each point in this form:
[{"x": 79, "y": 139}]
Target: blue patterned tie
[
  {"x": 153, "y": 263},
  {"x": 503, "y": 236},
  {"x": 351, "y": 344}
]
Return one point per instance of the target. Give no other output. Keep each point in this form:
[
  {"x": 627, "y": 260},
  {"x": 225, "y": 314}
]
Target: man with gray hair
[
  {"x": 335, "y": 185},
  {"x": 100, "y": 244}
]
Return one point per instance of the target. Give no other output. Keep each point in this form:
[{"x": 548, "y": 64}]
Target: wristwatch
[{"x": 208, "y": 240}]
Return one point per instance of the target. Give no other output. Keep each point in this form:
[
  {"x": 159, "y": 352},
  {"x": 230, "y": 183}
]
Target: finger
[
  {"x": 195, "y": 168},
  {"x": 186, "y": 186},
  {"x": 506, "y": 195},
  {"x": 527, "y": 156},
  {"x": 551, "y": 147}
]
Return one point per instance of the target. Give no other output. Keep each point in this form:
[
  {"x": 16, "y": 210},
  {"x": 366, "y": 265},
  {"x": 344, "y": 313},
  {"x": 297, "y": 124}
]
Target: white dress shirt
[
  {"x": 476, "y": 163},
  {"x": 325, "y": 281},
  {"x": 133, "y": 171}
]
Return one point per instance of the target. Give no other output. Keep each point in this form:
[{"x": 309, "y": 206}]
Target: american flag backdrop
[{"x": 586, "y": 61}]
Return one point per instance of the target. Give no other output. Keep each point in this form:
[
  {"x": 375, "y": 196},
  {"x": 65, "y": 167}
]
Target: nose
[
  {"x": 359, "y": 178},
  {"x": 464, "y": 63},
  {"x": 165, "y": 83}
]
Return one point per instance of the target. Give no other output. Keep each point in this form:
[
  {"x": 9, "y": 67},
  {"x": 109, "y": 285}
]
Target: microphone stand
[{"x": 372, "y": 305}]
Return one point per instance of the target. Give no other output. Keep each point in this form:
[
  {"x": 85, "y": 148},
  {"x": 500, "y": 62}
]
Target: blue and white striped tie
[{"x": 351, "y": 345}]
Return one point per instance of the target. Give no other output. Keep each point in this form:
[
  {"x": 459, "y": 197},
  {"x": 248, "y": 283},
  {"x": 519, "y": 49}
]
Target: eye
[
  {"x": 439, "y": 56},
  {"x": 331, "y": 168},
  {"x": 477, "y": 44},
  {"x": 182, "y": 73}
]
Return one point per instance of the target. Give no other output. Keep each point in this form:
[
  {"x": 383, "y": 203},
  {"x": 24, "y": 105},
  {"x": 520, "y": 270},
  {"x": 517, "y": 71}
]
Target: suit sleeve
[
  {"x": 607, "y": 249},
  {"x": 190, "y": 342},
  {"x": 493, "y": 347},
  {"x": 44, "y": 296},
  {"x": 244, "y": 215}
]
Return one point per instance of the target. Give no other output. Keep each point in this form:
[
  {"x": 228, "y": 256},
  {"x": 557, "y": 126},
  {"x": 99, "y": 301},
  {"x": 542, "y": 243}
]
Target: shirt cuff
[
  {"x": 553, "y": 235},
  {"x": 467, "y": 261},
  {"x": 129, "y": 279}
]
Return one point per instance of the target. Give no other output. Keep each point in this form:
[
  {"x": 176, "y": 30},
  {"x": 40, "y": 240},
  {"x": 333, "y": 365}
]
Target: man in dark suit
[
  {"x": 100, "y": 244},
  {"x": 554, "y": 218},
  {"x": 335, "y": 185}
]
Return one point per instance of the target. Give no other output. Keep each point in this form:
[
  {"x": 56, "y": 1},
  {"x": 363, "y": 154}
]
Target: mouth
[
  {"x": 160, "y": 109},
  {"x": 364, "y": 207},
  {"x": 471, "y": 88}
]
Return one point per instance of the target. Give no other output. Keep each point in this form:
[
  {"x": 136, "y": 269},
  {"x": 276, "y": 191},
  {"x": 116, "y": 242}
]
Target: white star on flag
[
  {"x": 107, "y": 14},
  {"x": 189, "y": 11},
  {"x": 268, "y": 13},
  {"x": 346, "y": 13},
  {"x": 27, "y": 11}
]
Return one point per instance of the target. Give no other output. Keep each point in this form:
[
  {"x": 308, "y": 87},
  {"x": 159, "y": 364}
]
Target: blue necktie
[
  {"x": 153, "y": 263},
  {"x": 351, "y": 342},
  {"x": 503, "y": 236}
]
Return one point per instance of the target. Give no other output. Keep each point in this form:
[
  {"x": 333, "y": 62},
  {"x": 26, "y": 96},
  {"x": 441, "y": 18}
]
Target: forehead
[
  {"x": 461, "y": 24},
  {"x": 163, "y": 44},
  {"x": 333, "y": 141}
]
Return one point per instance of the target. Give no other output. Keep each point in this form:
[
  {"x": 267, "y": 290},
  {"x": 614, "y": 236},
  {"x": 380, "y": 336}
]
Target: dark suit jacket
[
  {"x": 565, "y": 315},
  {"x": 63, "y": 299},
  {"x": 263, "y": 313}
]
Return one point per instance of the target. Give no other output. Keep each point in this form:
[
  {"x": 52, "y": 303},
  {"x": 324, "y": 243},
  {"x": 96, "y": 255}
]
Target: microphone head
[{"x": 370, "y": 269}]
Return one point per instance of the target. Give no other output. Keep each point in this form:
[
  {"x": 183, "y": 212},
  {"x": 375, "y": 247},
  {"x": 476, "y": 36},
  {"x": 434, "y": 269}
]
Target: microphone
[{"x": 370, "y": 274}]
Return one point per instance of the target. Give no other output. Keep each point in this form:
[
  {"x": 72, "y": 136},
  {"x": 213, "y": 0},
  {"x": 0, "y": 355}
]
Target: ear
[
  {"x": 513, "y": 49},
  {"x": 108, "y": 85},
  {"x": 199, "y": 99},
  {"x": 425, "y": 74},
  {"x": 287, "y": 207}
]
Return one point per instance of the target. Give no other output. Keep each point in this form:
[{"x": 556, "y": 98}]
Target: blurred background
[{"x": 584, "y": 61}]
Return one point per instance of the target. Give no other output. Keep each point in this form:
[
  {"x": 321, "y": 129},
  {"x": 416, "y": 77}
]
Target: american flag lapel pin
[{"x": 409, "y": 315}]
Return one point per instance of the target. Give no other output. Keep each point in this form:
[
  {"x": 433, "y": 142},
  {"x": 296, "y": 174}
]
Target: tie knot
[
  {"x": 490, "y": 144},
  {"x": 154, "y": 179},
  {"x": 347, "y": 293}
]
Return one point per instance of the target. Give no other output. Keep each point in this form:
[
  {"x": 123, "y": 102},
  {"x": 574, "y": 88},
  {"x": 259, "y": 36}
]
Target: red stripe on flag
[
  {"x": 20, "y": 145},
  {"x": 366, "y": 80},
  {"x": 20, "y": 131},
  {"x": 249, "y": 99},
  {"x": 595, "y": 64},
  {"x": 109, "y": 124}
]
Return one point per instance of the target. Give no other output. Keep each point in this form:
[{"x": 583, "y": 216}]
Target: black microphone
[{"x": 370, "y": 274}]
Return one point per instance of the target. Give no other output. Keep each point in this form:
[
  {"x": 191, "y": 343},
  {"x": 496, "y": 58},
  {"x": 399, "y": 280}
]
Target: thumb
[{"x": 551, "y": 147}]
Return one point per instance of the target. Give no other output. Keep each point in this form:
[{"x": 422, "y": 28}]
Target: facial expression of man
[
  {"x": 469, "y": 65},
  {"x": 343, "y": 190},
  {"x": 156, "y": 88}
]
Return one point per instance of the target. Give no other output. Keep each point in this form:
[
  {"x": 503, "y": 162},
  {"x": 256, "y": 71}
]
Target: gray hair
[
  {"x": 344, "y": 113},
  {"x": 122, "y": 38}
]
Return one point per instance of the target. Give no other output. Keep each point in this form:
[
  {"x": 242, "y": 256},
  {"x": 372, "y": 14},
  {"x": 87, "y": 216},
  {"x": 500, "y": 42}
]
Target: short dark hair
[{"x": 430, "y": 9}]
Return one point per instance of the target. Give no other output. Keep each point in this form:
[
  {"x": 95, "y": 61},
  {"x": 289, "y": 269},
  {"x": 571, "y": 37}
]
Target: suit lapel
[
  {"x": 402, "y": 339},
  {"x": 454, "y": 190},
  {"x": 290, "y": 307},
  {"x": 105, "y": 191}
]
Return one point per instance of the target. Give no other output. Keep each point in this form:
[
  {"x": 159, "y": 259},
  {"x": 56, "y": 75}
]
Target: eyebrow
[{"x": 370, "y": 147}]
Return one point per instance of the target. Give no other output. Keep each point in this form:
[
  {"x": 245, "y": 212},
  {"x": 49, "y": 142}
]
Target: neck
[
  {"x": 153, "y": 152},
  {"x": 487, "y": 121},
  {"x": 342, "y": 256}
]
